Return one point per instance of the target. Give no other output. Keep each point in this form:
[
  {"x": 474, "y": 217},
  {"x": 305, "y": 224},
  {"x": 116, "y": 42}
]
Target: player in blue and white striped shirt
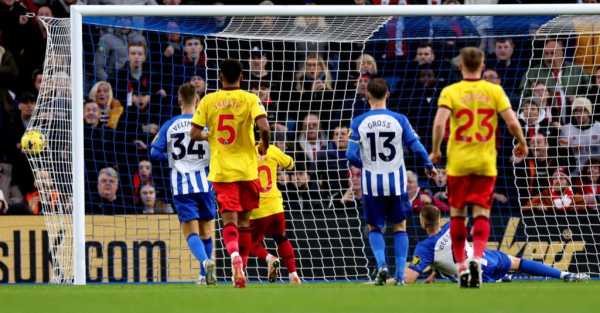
[
  {"x": 377, "y": 147},
  {"x": 193, "y": 197}
]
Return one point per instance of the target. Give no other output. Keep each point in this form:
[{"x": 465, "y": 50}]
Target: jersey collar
[{"x": 230, "y": 88}]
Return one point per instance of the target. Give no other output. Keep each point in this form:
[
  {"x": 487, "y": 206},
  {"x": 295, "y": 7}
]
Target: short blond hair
[
  {"x": 471, "y": 58},
  {"x": 94, "y": 91}
]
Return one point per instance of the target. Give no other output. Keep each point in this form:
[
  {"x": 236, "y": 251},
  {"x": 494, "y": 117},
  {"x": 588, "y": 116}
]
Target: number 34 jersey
[
  {"x": 475, "y": 105},
  {"x": 230, "y": 116},
  {"x": 382, "y": 134},
  {"x": 188, "y": 159}
]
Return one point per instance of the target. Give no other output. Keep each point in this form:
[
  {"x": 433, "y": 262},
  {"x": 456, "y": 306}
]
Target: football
[{"x": 33, "y": 142}]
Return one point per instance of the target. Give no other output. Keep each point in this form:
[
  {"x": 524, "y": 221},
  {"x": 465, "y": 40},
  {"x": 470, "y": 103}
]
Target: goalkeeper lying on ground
[{"x": 435, "y": 253}]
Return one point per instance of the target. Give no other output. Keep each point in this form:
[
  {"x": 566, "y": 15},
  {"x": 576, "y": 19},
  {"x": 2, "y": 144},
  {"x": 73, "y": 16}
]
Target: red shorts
[
  {"x": 268, "y": 225},
  {"x": 471, "y": 189},
  {"x": 238, "y": 196}
]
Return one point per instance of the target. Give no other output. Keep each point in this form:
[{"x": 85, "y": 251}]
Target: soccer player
[
  {"x": 435, "y": 253},
  {"x": 192, "y": 196},
  {"x": 269, "y": 218},
  {"x": 230, "y": 115},
  {"x": 472, "y": 106},
  {"x": 376, "y": 146}
]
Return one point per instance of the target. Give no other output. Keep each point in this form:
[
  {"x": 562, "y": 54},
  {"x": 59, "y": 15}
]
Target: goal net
[{"x": 311, "y": 75}]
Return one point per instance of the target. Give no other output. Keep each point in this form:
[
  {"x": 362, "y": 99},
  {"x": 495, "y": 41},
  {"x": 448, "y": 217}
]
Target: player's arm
[
  {"x": 158, "y": 150},
  {"x": 439, "y": 126},
  {"x": 514, "y": 128},
  {"x": 199, "y": 121},
  {"x": 265, "y": 132},
  {"x": 422, "y": 259},
  {"x": 410, "y": 276},
  {"x": 411, "y": 139},
  {"x": 353, "y": 150},
  {"x": 284, "y": 160}
]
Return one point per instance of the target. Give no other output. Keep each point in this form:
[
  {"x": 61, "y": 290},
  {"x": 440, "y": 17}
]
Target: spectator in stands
[
  {"x": 200, "y": 84},
  {"x": 45, "y": 11},
  {"x": 143, "y": 176},
  {"x": 594, "y": 92},
  {"x": 132, "y": 83},
  {"x": 332, "y": 164},
  {"x": 510, "y": 68},
  {"x": 110, "y": 108},
  {"x": 582, "y": 135},
  {"x": 491, "y": 76},
  {"x": 258, "y": 70},
  {"x": 150, "y": 205},
  {"x": 11, "y": 198},
  {"x": 46, "y": 192},
  {"x": 314, "y": 75},
  {"x": 354, "y": 192},
  {"x": 533, "y": 172},
  {"x": 420, "y": 197},
  {"x": 19, "y": 122},
  {"x": 172, "y": 43},
  {"x": 588, "y": 183},
  {"x": 36, "y": 81},
  {"x": 459, "y": 27},
  {"x": 107, "y": 200},
  {"x": 361, "y": 104},
  {"x": 91, "y": 114},
  {"x": 366, "y": 64},
  {"x": 191, "y": 62},
  {"x": 9, "y": 72},
  {"x": 303, "y": 193},
  {"x": 112, "y": 49},
  {"x": 310, "y": 142},
  {"x": 533, "y": 119},
  {"x": 563, "y": 79},
  {"x": 561, "y": 190},
  {"x": 118, "y": 2}
]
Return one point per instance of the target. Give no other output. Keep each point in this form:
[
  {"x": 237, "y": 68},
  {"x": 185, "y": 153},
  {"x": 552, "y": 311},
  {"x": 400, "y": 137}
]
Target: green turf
[{"x": 518, "y": 297}]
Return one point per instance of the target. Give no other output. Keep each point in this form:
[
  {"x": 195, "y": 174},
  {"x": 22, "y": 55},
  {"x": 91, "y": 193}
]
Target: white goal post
[{"x": 77, "y": 66}]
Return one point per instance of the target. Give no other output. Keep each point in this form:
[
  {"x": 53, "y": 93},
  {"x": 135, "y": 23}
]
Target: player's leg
[
  {"x": 206, "y": 222},
  {"x": 402, "y": 209},
  {"x": 188, "y": 214},
  {"x": 259, "y": 228},
  {"x": 228, "y": 197},
  {"x": 540, "y": 269},
  {"x": 249, "y": 192},
  {"x": 458, "y": 228},
  {"x": 284, "y": 246},
  {"x": 375, "y": 217},
  {"x": 481, "y": 191}
]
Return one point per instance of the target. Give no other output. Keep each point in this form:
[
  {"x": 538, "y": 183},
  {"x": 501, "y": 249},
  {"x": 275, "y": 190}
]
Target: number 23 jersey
[
  {"x": 188, "y": 159},
  {"x": 382, "y": 134},
  {"x": 230, "y": 116},
  {"x": 475, "y": 105}
]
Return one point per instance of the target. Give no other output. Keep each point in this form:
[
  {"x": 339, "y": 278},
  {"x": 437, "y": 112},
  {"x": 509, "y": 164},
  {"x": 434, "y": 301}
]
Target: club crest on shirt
[{"x": 416, "y": 260}]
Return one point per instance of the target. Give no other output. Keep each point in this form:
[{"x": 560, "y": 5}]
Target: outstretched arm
[
  {"x": 265, "y": 132},
  {"x": 439, "y": 126},
  {"x": 514, "y": 128},
  {"x": 198, "y": 133}
]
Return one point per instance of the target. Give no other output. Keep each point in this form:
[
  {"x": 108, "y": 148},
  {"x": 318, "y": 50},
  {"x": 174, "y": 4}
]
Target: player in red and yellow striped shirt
[
  {"x": 472, "y": 106},
  {"x": 230, "y": 115},
  {"x": 269, "y": 218}
]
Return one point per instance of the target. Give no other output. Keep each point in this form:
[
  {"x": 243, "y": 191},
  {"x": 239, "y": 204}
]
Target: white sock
[
  {"x": 270, "y": 257},
  {"x": 234, "y": 254},
  {"x": 563, "y": 274},
  {"x": 293, "y": 274}
]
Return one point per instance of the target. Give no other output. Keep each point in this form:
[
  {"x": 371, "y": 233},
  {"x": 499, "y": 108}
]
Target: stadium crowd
[{"x": 131, "y": 79}]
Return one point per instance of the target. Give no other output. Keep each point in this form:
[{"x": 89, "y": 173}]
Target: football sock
[
  {"x": 481, "y": 233},
  {"x": 377, "y": 244},
  {"x": 230, "y": 238},
  {"x": 400, "y": 252},
  {"x": 197, "y": 248},
  {"x": 287, "y": 254},
  {"x": 245, "y": 243},
  {"x": 458, "y": 233},
  {"x": 538, "y": 269},
  {"x": 208, "y": 249}
]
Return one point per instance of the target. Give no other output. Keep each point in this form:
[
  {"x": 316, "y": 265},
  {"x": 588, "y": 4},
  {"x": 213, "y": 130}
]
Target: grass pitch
[{"x": 518, "y": 297}]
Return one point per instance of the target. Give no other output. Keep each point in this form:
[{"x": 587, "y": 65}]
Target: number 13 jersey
[
  {"x": 230, "y": 116},
  {"x": 475, "y": 105},
  {"x": 188, "y": 159},
  {"x": 382, "y": 134}
]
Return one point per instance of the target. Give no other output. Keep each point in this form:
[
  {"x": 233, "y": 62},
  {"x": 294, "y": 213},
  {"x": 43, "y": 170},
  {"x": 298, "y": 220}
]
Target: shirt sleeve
[
  {"x": 258, "y": 109},
  {"x": 200, "y": 116},
  {"x": 408, "y": 133},
  {"x": 444, "y": 100},
  {"x": 159, "y": 144},
  {"x": 284, "y": 160},
  {"x": 354, "y": 134},
  {"x": 422, "y": 258},
  {"x": 502, "y": 101}
]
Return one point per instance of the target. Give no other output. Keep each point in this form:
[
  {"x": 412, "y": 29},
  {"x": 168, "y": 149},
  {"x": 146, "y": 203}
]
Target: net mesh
[
  {"x": 311, "y": 74},
  {"x": 52, "y": 167}
]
